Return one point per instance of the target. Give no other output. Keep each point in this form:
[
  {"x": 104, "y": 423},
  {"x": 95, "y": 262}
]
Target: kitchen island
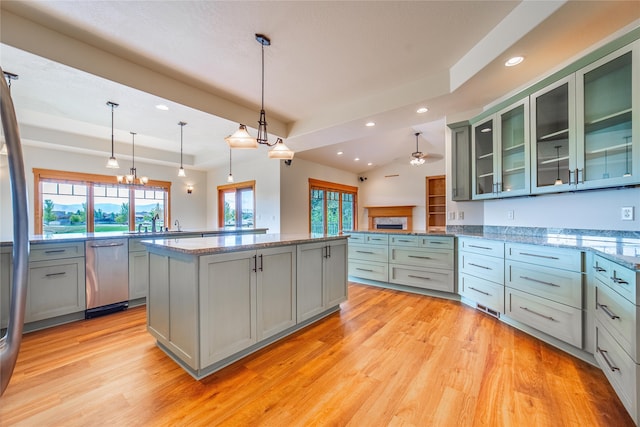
[{"x": 214, "y": 300}]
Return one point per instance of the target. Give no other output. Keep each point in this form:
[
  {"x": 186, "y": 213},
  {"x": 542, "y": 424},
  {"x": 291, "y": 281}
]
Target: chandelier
[{"x": 132, "y": 177}]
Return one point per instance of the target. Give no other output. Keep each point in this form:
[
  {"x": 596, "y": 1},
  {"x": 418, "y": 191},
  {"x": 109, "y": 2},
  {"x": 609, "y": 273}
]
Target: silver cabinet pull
[
  {"x": 539, "y": 281},
  {"x": 62, "y": 273},
  {"x": 480, "y": 266},
  {"x": 365, "y": 252},
  {"x": 436, "y": 243},
  {"x": 539, "y": 256},
  {"x": 419, "y": 277},
  {"x": 108, "y": 245},
  {"x": 607, "y": 311},
  {"x": 364, "y": 269},
  {"x": 419, "y": 257},
  {"x": 255, "y": 263},
  {"x": 538, "y": 314},
  {"x": 261, "y": 263},
  {"x": 606, "y": 359},
  {"x": 478, "y": 290},
  {"x": 619, "y": 281},
  {"x": 599, "y": 269},
  {"x": 405, "y": 241},
  {"x": 479, "y": 247},
  {"x": 55, "y": 251}
]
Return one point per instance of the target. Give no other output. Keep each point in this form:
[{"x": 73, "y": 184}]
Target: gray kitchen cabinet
[
  {"x": 460, "y": 161},
  {"x": 6, "y": 276},
  {"x": 276, "y": 290},
  {"x": 481, "y": 274},
  {"x": 138, "y": 271},
  {"x": 321, "y": 277},
  {"x": 368, "y": 259}
]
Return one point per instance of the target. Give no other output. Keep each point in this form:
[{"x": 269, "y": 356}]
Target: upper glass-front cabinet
[
  {"x": 460, "y": 167},
  {"x": 607, "y": 94},
  {"x": 500, "y": 152}
]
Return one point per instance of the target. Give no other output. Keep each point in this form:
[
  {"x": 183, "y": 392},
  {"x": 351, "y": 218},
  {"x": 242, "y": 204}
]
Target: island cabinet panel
[
  {"x": 228, "y": 297},
  {"x": 138, "y": 270},
  {"x": 158, "y": 303},
  {"x": 335, "y": 266}
]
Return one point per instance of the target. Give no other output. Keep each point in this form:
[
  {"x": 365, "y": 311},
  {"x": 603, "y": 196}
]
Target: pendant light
[
  {"x": 230, "y": 177},
  {"x": 558, "y": 180},
  {"x": 181, "y": 172},
  {"x": 242, "y": 139},
  {"x": 417, "y": 158},
  {"x": 112, "y": 163},
  {"x": 132, "y": 177}
]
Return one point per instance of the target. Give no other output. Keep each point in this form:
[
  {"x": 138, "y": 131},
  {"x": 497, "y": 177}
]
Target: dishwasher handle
[{"x": 109, "y": 245}]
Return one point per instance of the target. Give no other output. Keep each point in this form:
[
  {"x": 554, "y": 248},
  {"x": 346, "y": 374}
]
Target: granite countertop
[
  {"x": 233, "y": 243},
  {"x": 618, "y": 246}
]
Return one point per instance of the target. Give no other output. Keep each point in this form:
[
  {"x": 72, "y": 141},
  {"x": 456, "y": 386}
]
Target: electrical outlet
[
  {"x": 452, "y": 215},
  {"x": 510, "y": 214},
  {"x": 461, "y": 215},
  {"x": 626, "y": 213}
]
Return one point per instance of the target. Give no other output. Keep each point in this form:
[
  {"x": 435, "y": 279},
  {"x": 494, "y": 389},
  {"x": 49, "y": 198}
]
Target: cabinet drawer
[
  {"x": 436, "y": 242},
  {"x": 421, "y": 257},
  {"x": 376, "y": 239},
  {"x": 436, "y": 279},
  {"x": 369, "y": 270},
  {"x": 396, "y": 240},
  {"x": 567, "y": 259},
  {"x": 486, "y": 267},
  {"x": 558, "y": 320},
  {"x": 621, "y": 371},
  {"x": 55, "y": 288},
  {"x": 369, "y": 252},
  {"x": 482, "y": 246},
  {"x": 482, "y": 291},
  {"x": 45, "y": 251},
  {"x": 136, "y": 246},
  {"x": 557, "y": 285},
  {"x": 356, "y": 238},
  {"x": 618, "y": 316},
  {"x": 617, "y": 277}
]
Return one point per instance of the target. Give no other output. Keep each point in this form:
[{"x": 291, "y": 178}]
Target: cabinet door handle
[
  {"x": 328, "y": 251},
  {"x": 419, "y": 257},
  {"x": 608, "y": 312},
  {"x": 539, "y": 256},
  {"x": 539, "y": 281},
  {"x": 55, "y": 251},
  {"x": 261, "y": 263},
  {"x": 538, "y": 314},
  {"x": 607, "y": 361},
  {"x": 255, "y": 263},
  {"x": 480, "y": 266},
  {"x": 478, "y": 290},
  {"x": 108, "y": 245},
  {"x": 364, "y": 269},
  {"x": 62, "y": 273},
  {"x": 365, "y": 252},
  {"x": 578, "y": 175},
  {"x": 599, "y": 269},
  {"x": 619, "y": 281},
  {"x": 419, "y": 277}
]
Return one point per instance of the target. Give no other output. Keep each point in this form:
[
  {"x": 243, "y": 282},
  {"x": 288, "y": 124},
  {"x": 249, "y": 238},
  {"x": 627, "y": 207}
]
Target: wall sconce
[{"x": 189, "y": 189}]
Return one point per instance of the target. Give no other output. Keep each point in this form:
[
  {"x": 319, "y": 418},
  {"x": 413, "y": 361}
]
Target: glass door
[
  {"x": 513, "y": 162},
  {"x": 483, "y": 160},
  {"x": 553, "y": 136},
  {"x": 607, "y": 102}
]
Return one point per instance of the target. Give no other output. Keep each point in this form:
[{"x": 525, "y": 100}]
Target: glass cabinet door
[
  {"x": 553, "y": 135},
  {"x": 460, "y": 167},
  {"x": 513, "y": 138},
  {"x": 607, "y": 97},
  {"x": 483, "y": 160}
]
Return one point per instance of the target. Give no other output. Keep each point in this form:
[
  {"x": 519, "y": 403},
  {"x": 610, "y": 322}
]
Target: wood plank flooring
[{"x": 386, "y": 359}]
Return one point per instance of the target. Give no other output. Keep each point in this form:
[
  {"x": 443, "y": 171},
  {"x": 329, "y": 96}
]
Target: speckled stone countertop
[
  {"x": 622, "y": 247},
  {"x": 233, "y": 243}
]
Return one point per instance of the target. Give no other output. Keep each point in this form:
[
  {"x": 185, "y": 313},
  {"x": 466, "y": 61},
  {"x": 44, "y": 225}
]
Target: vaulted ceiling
[{"x": 332, "y": 67}]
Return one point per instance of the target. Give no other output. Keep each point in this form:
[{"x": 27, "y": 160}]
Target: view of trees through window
[{"x": 332, "y": 207}]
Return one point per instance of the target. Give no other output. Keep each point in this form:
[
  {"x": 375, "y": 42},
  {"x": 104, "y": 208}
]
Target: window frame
[
  {"x": 334, "y": 187},
  {"x": 235, "y": 187},
  {"x": 88, "y": 179}
]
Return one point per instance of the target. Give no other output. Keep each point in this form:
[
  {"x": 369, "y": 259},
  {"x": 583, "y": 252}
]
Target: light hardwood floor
[{"x": 387, "y": 359}]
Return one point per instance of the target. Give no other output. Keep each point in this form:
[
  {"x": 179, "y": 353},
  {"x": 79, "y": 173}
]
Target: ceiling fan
[{"x": 417, "y": 157}]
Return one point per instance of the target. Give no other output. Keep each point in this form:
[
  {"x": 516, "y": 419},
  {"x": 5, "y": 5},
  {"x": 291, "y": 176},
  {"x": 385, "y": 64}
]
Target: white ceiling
[{"x": 332, "y": 67}]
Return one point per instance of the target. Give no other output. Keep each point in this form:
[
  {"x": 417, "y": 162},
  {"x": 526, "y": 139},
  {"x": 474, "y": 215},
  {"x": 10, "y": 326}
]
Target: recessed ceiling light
[
  {"x": 162, "y": 107},
  {"x": 514, "y": 61},
  {"x": 369, "y": 164},
  {"x": 422, "y": 110},
  {"x": 369, "y": 124},
  {"x": 340, "y": 153},
  {"x": 357, "y": 159}
]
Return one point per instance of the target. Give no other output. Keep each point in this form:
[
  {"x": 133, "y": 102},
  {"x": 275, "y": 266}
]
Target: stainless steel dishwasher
[{"x": 107, "y": 276}]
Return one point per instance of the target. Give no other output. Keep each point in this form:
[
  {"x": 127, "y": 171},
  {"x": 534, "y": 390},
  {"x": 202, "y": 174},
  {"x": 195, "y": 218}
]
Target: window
[
  {"x": 332, "y": 207},
  {"x": 70, "y": 202},
  {"x": 236, "y": 205}
]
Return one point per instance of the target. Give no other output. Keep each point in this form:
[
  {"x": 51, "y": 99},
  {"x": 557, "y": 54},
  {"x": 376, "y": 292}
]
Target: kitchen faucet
[
  {"x": 177, "y": 224},
  {"x": 153, "y": 222}
]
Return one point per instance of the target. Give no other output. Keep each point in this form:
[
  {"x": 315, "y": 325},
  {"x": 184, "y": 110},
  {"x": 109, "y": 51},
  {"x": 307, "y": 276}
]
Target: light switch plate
[{"x": 626, "y": 213}]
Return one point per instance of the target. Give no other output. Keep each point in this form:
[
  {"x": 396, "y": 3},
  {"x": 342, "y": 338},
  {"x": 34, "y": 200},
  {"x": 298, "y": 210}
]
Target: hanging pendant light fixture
[
  {"x": 112, "y": 163},
  {"x": 558, "y": 180},
  {"x": 181, "y": 172},
  {"x": 242, "y": 139},
  {"x": 132, "y": 177},
  {"x": 417, "y": 158},
  {"x": 230, "y": 177}
]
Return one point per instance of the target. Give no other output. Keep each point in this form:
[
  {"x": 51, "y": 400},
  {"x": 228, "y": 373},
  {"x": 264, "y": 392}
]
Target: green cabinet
[
  {"x": 138, "y": 270},
  {"x": 460, "y": 162},
  {"x": 500, "y": 153}
]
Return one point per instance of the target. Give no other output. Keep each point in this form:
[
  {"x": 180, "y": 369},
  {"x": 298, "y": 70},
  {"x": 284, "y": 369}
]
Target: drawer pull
[
  {"x": 379, "y": 240},
  {"x": 539, "y": 256},
  {"x": 55, "y": 251},
  {"x": 619, "y": 281},
  {"x": 364, "y": 269},
  {"x": 599, "y": 269},
  {"x": 539, "y": 281},
  {"x": 436, "y": 243},
  {"x": 607, "y": 311},
  {"x": 419, "y": 257},
  {"x": 538, "y": 314},
  {"x": 365, "y": 252},
  {"x": 606, "y": 359},
  {"x": 479, "y": 266},
  {"x": 62, "y": 273},
  {"x": 419, "y": 277},
  {"x": 108, "y": 245},
  {"x": 405, "y": 241},
  {"x": 478, "y": 290},
  {"x": 479, "y": 247}
]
